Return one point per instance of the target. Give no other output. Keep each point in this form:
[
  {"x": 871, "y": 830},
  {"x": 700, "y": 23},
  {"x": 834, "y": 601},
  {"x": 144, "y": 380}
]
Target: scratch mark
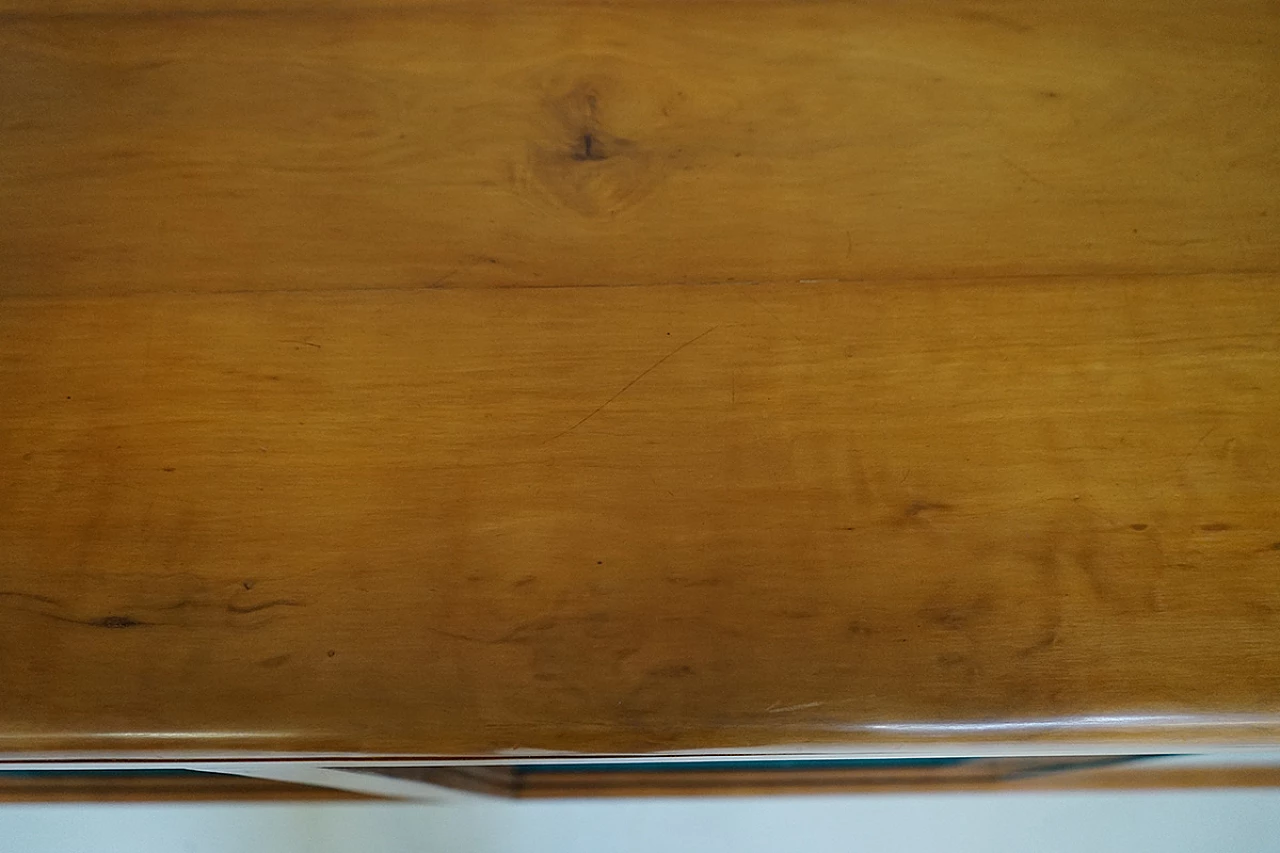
[
  {"x": 1203, "y": 439},
  {"x": 442, "y": 279},
  {"x": 254, "y": 608},
  {"x": 301, "y": 343},
  {"x": 775, "y": 708},
  {"x": 515, "y": 634},
  {"x": 29, "y": 595},
  {"x": 773, "y": 317},
  {"x": 848, "y": 244},
  {"x": 600, "y": 408},
  {"x": 1186, "y": 460}
]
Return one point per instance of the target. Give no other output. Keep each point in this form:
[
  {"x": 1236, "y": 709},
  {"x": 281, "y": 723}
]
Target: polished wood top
[{"x": 626, "y": 377}]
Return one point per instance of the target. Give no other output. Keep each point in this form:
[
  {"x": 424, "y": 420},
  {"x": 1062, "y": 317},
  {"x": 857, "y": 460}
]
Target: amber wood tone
[
  {"x": 631, "y": 377},
  {"x": 629, "y": 519},
  {"x": 468, "y": 144}
]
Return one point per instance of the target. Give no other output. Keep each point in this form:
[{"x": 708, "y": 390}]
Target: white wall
[{"x": 1204, "y": 822}]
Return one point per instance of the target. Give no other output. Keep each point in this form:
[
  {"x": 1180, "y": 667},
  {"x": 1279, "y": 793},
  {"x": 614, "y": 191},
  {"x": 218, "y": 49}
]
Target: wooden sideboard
[{"x": 423, "y": 383}]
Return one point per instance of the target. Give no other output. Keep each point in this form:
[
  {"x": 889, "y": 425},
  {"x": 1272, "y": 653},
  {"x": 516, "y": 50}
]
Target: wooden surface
[
  {"x": 151, "y": 787},
  {"x": 771, "y": 141},
  {"x": 635, "y": 377}
]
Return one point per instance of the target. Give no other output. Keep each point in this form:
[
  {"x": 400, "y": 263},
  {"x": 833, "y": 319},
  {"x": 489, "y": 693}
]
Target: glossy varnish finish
[{"x": 634, "y": 377}]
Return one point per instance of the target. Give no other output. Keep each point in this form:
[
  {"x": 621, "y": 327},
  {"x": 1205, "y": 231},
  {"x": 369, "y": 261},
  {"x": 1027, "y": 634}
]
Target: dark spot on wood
[
  {"x": 26, "y": 457},
  {"x": 1138, "y": 526},
  {"x": 331, "y": 653},
  {"x": 272, "y": 663},
  {"x": 1275, "y": 546},
  {"x": 68, "y": 396},
  {"x": 1048, "y": 93},
  {"x": 590, "y": 149},
  {"x": 955, "y": 617},
  {"x": 248, "y": 584},
  {"x": 525, "y": 581},
  {"x": 857, "y": 628},
  {"x": 599, "y": 562},
  {"x": 169, "y": 470},
  {"x": 952, "y": 620},
  {"x": 672, "y": 671},
  {"x": 1215, "y": 527},
  {"x": 116, "y": 622}
]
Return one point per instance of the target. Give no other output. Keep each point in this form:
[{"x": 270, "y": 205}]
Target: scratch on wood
[
  {"x": 442, "y": 279},
  {"x": 254, "y": 608},
  {"x": 782, "y": 709},
  {"x": 600, "y": 408},
  {"x": 28, "y": 595}
]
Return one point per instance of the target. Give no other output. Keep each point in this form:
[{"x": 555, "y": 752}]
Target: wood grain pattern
[
  {"x": 647, "y": 518},
  {"x": 475, "y": 145},
  {"x": 624, "y": 377}
]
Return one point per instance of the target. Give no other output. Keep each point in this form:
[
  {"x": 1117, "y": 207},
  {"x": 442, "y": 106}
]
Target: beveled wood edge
[
  {"x": 204, "y": 787},
  {"x": 178, "y": 758},
  {"x": 982, "y": 775}
]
